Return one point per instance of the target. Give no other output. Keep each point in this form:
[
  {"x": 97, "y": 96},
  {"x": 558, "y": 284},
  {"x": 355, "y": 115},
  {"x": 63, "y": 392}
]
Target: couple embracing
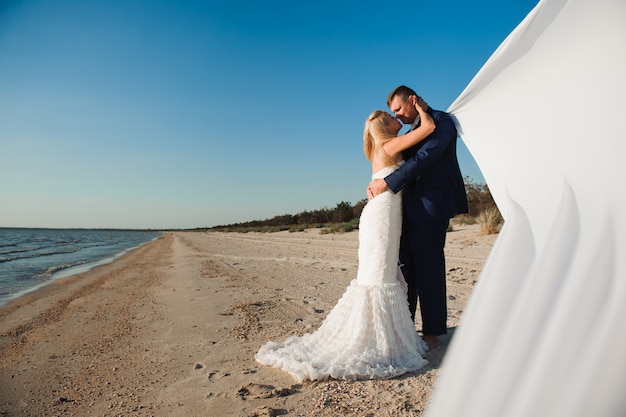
[{"x": 416, "y": 188}]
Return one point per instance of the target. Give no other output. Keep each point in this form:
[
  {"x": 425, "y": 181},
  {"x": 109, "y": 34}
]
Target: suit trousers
[{"x": 424, "y": 268}]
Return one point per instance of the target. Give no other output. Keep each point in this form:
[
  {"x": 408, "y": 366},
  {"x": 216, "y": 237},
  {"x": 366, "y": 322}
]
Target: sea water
[{"x": 31, "y": 258}]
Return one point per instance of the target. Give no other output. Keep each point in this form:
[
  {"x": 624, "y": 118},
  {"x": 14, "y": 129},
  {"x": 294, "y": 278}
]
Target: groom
[{"x": 433, "y": 193}]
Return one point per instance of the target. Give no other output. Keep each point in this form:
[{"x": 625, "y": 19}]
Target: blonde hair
[{"x": 375, "y": 135}]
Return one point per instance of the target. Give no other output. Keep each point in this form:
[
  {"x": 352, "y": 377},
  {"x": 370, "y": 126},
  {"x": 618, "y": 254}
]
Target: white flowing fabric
[{"x": 544, "y": 331}]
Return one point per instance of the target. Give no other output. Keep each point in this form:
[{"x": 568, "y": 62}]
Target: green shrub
[{"x": 341, "y": 227}]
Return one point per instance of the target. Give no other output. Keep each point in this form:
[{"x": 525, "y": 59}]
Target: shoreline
[
  {"x": 79, "y": 269},
  {"x": 171, "y": 328},
  {"x": 65, "y": 272}
]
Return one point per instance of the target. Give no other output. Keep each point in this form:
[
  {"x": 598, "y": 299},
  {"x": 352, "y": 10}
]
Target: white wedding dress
[{"x": 369, "y": 333}]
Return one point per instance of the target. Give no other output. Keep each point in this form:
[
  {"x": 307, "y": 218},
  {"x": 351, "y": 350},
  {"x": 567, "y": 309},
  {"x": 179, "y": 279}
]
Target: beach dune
[{"x": 171, "y": 329}]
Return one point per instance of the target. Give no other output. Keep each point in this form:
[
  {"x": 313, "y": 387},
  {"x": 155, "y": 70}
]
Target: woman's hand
[
  {"x": 421, "y": 106},
  {"x": 419, "y": 102}
]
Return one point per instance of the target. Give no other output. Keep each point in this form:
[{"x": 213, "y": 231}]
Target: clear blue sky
[{"x": 184, "y": 114}]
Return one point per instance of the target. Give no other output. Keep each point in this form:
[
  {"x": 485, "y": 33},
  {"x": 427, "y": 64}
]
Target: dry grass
[{"x": 490, "y": 221}]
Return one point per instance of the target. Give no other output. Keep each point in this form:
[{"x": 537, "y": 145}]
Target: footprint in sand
[
  {"x": 267, "y": 412},
  {"x": 216, "y": 375},
  {"x": 263, "y": 391}
]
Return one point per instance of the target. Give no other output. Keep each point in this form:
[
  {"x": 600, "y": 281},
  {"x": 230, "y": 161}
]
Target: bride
[{"x": 369, "y": 333}]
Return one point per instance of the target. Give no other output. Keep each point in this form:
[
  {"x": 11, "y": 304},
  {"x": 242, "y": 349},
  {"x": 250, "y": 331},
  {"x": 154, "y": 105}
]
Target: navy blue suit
[{"x": 433, "y": 192}]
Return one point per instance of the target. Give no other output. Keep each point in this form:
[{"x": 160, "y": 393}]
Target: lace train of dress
[{"x": 369, "y": 333}]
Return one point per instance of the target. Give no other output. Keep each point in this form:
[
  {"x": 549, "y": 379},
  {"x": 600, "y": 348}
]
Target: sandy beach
[{"x": 171, "y": 329}]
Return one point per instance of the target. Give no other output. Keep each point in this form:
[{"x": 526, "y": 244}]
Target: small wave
[
  {"x": 55, "y": 252},
  {"x": 67, "y": 241},
  {"x": 32, "y": 253},
  {"x": 20, "y": 250},
  {"x": 56, "y": 268}
]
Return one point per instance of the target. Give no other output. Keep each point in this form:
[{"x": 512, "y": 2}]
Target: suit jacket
[{"x": 431, "y": 179}]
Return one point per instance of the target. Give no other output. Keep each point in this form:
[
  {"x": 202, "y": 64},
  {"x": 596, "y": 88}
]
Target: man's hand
[{"x": 376, "y": 187}]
